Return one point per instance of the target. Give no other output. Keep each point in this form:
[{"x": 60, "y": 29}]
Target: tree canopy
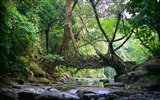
[
  {"x": 78, "y": 33},
  {"x": 146, "y": 16}
]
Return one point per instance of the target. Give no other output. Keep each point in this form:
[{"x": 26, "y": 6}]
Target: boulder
[
  {"x": 42, "y": 80},
  {"x": 20, "y": 81},
  {"x": 24, "y": 92},
  {"x": 122, "y": 78},
  {"x": 131, "y": 76},
  {"x": 30, "y": 74},
  {"x": 8, "y": 95},
  {"x": 153, "y": 66},
  {"x": 91, "y": 93},
  {"x": 29, "y": 92},
  {"x": 55, "y": 95},
  {"x": 32, "y": 79}
]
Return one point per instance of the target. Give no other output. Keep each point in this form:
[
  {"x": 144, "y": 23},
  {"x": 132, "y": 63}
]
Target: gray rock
[
  {"x": 30, "y": 92},
  {"x": 115, "y": 84},
  {"x": 153, "y": 66},
  {"x": 55, "y": 95},
  {"x": 8, "y": 96},
  {"x": 72, "y": 91},
  {"x": 102, "y": 98},
  {"x": 89, "y": 93}
]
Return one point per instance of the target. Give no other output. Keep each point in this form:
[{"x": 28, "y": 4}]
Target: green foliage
[
  {"x": 88, "y": 73},
  {"x": 24, "y": 22},
  {"x": 109, "y": 25},
  {"x": 51, "y": 20},
  {"x": 146, "y": 15},
  {"x": 87, "y": 50},
  {"x": 133, "y": 51},
  {"x": 55, "y": 38},
  {"x": 20, "y": 68},
  {"x": 156, "y": 52},
  {"x": 150, "y": 78},
  {"x": 109, "y": 72},
  {"x": 145, "y": 12},
  {"x": 17, "y": 35},
  {"x": 25, "y": 65},
  {"x": 149, "y": 39},
  {"x": 51, "y": 14},
  {"x": 52, "y": 58},
  {"x": 29, "y": 9}
]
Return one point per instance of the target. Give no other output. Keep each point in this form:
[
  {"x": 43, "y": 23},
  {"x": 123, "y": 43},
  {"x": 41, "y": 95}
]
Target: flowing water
[{"x": 93, "y": 82}]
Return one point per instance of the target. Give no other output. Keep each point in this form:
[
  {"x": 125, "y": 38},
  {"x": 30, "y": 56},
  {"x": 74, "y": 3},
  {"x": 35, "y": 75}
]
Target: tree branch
[
  {"x": 146, "y": 46},
  {"x": 126, "y": 39},
  {"x": 97, "y": 2},
  {"x": 95, "y": 40},
  {"x": 75, "y": 2},
  {"x": 123, "y": 25},
  {"x": 124, "y": 31},
  {"x": 99, "y": 24},
  {"x": 84, "y": 24},
  {"x": 115, "y": 31},
  {"x": 120, "y": 39}
]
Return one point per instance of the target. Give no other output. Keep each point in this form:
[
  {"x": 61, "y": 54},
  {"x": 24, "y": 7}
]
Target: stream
[
  {"x": 76, "y": 89},
  {"x": 94, "y": 82}
]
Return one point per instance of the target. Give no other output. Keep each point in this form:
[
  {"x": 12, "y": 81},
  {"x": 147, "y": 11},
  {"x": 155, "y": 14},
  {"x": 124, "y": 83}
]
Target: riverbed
[{"x": 75, "y": 89}]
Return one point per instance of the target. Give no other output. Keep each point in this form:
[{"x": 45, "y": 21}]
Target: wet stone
[
  {"x": 80, "y": 93},
  {"x": 102, "y": 98},
  {"x": 54, "y": 95}
]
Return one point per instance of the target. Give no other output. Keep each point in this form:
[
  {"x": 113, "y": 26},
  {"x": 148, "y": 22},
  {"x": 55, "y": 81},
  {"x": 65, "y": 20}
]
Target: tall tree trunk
[
  {"x": 67, "y": 31},
  {"x": 66, "y": 35},
  {"x": 47, "y": 40}
]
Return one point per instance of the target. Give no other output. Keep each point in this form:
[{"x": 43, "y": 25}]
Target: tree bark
[
  {"x": 110, "y": 58},
  {"x": 66, "y": 35},
  {"x": 47, "y": 40}
]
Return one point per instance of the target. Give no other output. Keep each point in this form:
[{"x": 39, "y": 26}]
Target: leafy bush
[{"x": 17, "y": 35}]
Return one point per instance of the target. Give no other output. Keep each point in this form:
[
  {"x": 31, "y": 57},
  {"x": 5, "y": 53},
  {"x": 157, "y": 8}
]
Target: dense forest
[{"x": 78, "y": 38}]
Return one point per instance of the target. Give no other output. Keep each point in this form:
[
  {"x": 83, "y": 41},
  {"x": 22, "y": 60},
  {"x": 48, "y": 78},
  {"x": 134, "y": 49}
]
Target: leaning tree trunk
[{"x": 114, "y": 61}]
